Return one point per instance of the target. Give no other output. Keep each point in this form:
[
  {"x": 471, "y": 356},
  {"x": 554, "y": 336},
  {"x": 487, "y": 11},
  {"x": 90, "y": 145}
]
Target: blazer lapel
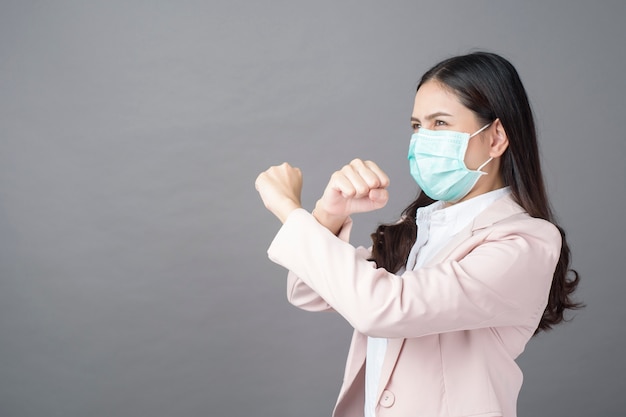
[
  {"x": 394, "y": 346},
  {"x": 459, "y": 238},
  {"x": 500, "y": 209}
]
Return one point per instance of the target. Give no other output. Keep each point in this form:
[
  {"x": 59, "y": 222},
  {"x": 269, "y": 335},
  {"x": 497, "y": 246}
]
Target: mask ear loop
[
  {"x": 481, "y": 129},
  {"x": 488, "y": 160},
  {"x": 483, "y": 165}
]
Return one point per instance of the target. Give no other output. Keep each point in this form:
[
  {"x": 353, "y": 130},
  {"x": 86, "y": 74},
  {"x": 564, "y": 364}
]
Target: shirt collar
[{"x": 458, "y": 215}]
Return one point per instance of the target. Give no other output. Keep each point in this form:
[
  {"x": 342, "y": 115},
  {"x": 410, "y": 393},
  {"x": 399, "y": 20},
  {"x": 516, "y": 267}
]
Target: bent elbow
[
  {"x": 366, "y": 327},
  {"x": 302, "y": 296},
  {"x": 373, "y": 325}
]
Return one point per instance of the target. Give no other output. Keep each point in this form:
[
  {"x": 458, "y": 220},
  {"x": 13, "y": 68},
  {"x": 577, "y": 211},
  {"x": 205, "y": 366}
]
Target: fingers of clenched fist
[
  {"x": 279, "y": 175},
  {"x": 358, "y": 187},
  {"x": 280, "y": 187},
  {"x": 359, "y": 177}
]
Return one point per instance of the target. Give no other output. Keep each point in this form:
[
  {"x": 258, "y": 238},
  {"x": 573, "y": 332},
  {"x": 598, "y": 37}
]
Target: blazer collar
[{"x": 501, "y": 209}]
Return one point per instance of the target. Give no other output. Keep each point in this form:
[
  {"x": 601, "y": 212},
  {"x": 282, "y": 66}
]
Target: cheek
[{"x": 477, "y": 153}]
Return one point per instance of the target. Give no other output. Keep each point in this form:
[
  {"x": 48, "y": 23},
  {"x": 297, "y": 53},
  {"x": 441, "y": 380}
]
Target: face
[{"x": 437, "y": 108}]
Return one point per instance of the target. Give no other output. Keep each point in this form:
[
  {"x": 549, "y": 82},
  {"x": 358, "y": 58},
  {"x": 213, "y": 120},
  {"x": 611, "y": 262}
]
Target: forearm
[
  {"x": 499, "y": 282},
  {"x": 303, "y": 296}
]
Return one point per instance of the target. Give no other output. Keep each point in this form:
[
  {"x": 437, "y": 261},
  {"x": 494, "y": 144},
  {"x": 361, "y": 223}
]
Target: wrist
[
  {"x": 330, "y": 221},
  {"x": 286, "y": 210}
]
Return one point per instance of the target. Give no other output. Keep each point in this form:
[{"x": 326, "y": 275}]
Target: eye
[
  {"x": 440, "y": 123},
  {"x": 415, "y": 126}
]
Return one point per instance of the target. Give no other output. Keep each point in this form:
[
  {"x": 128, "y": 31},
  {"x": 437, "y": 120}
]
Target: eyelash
[{"x": 416, "y": 126}]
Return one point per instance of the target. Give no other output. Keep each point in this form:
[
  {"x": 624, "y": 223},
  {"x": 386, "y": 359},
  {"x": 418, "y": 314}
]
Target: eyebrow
[{"x": 431, "y": 116}]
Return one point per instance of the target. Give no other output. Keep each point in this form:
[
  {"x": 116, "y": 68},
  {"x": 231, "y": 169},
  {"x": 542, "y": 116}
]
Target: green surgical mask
[{"x": 436, "y": 158}]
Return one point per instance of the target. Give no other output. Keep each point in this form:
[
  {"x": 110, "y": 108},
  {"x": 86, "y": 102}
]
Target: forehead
[{"x": 433, "y": 97}]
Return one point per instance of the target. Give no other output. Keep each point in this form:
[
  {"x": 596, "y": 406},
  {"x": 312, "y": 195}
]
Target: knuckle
[
  {"x": 374, "y": 183},
  {"x": 361, "y": 189},
  {"x": 346, "y": 169}
]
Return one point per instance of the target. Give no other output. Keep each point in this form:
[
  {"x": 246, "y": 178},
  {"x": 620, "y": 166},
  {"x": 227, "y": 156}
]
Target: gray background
[{"x": 133, "y": 274}]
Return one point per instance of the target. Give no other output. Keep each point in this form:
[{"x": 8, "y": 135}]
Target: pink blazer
[{"x": 455, "y": 326}]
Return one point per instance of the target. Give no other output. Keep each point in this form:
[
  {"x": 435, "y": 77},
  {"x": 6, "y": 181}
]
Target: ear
[{"x": 499, "y": 141}]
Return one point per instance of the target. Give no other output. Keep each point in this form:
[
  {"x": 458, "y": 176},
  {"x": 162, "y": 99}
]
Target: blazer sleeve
[
  {"x": 303, "y": 296},
  {"x": 501, "y": 278}
]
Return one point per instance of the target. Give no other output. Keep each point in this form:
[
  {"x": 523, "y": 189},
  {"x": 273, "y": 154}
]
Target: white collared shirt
[{"x": 436, "y": 226}]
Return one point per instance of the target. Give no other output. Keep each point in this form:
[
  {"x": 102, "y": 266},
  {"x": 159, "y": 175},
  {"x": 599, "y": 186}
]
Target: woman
[{"x": 448, "y": 297}]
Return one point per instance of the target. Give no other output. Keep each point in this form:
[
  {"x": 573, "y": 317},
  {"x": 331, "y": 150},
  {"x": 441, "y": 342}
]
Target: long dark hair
[{"x": 489, "y": 85}]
